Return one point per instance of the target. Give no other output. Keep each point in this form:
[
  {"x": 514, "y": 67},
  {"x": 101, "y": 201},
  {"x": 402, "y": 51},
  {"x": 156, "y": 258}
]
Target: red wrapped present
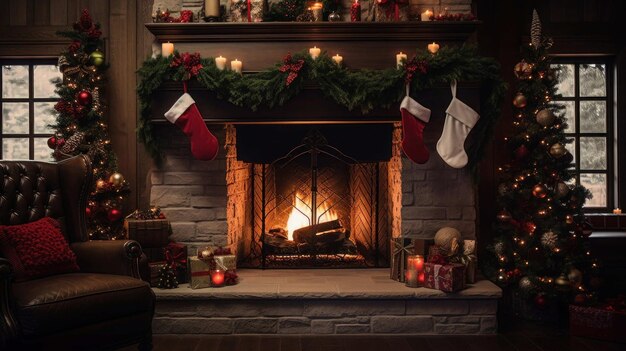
[
  {"x": 176, "y": 257},
  {"x": 602, "y": 322},
  {"x": 445, "y": 277}
]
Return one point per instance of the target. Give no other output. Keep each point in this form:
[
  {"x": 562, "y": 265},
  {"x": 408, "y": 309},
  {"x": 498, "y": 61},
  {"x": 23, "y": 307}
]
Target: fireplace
[{"x": 320, "y": 194}]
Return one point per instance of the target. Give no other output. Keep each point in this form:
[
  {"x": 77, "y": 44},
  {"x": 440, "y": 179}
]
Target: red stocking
[
  {"x": 186, "y": 116},
  {"x": 414, "y": 119}
]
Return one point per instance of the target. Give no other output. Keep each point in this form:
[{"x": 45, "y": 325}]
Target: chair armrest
[
  {"x": 110, "y": 257},
  {"x": 8, "y": 326}
]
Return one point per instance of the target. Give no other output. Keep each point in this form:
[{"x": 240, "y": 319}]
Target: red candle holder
[{"x": 217, "y": 278}]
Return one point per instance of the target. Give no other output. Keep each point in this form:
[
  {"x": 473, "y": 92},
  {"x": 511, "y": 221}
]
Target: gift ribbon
[
  {"x": 200, "y": 274},
  {"x": 174, "y": 260},
  {"x": 249, "y": 11},
  {"x": 436, "y": 276}
]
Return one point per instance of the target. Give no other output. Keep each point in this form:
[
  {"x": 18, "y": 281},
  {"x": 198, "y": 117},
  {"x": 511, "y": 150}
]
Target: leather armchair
[{"x": 105, "y": 305}]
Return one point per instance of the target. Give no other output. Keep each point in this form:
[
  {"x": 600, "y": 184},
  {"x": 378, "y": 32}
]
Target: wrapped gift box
[
  {"x": 400, "y": 249},
  {"x": 199, "y": 275},
  {"x": 603, "y": 323},
  {"x": 150, "y": 233},
  {"x": 445, "y": 277},
  {"x": 176, "y": 257}
]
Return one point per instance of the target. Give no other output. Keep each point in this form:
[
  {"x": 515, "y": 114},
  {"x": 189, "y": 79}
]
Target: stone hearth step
[{"x": 325, "y": 301}]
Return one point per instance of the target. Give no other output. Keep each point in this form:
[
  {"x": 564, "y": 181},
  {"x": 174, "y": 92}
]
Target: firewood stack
[{"x": 322, "y": 238}]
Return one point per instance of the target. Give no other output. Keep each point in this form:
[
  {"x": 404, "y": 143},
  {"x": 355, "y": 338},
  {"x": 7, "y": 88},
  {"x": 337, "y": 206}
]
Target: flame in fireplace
[{"x": 298, "y": 219}]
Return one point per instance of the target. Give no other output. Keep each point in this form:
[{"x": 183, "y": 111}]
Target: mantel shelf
[{"x": 454, "y": 31}]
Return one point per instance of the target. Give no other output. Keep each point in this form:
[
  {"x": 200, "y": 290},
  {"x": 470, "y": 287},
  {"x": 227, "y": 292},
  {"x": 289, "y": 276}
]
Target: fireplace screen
[{"x": 318, "y": 207}]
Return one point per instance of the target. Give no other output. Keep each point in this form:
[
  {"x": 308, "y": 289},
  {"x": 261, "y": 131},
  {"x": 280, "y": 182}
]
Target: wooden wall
[{"x": 28, "y": 29}]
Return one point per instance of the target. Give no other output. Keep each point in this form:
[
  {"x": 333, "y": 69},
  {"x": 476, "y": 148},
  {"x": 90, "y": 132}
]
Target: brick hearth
[{"x": 338, "y": 301}]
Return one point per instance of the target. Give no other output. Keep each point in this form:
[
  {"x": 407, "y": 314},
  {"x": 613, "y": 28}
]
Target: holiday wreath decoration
[{"x": 363, "y": 89}]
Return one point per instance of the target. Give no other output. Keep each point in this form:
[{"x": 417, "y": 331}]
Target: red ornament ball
[
  {"x": 521, "y": 152},
  {"x": 114, "y": 214},
  {"x": 541, "y": 301},
  {"x": 52, "y": 142},
  {"x": 88, "y": 211},
  {"x": 540, "y": 191},
  {"x": 580, "y": 299},
  {"x": 84, "y": 98}
]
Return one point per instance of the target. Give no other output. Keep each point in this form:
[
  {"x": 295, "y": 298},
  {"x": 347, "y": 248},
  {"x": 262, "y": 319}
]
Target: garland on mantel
[{"x": 363, "y": 89}]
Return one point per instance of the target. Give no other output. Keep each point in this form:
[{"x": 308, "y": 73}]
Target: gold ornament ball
[
  {"x": 117, "y": 179},
  {"x": 100, "y": 184},
  {"x": 569, "y": 219},
  {"x": 540, "y": 191},
  {"x": 557, "y": 150},
  {"x": 575, "y": 276},
  {"x": 523, "y": 70},
  {"x": 561, "y": 190},
  {"x": 97, "y": 58},
  {"x": 519, "y": 101},
  {"x": 545, "y": 117},
  {"x": 562, "y": 283}
]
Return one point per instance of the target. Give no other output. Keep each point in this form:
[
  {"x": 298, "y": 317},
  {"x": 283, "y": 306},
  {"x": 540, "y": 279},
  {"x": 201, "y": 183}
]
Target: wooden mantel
[{"x": 369, "y": 45}]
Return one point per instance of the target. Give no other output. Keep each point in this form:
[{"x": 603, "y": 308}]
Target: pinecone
[
  {"x": 549, "y": 239},
  {"x": 73, "y": 142},
  {"x": 167, "y": 278},
  {"x": 535, "y": 30}
]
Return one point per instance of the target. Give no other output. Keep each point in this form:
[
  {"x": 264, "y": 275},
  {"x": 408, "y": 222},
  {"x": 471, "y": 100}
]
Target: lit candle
[
  {"x": 426, "y": 15},
  {"x": 399, "y": 59},
  {"x": 415, "y": 271},
  {"x": 217, "y": 278},
  {"x": 167, "y": 49},
  {"x": 355, "y": 11},
  {"x": 236, "y": 65},
  {"x": 338, "y": 59},
  {"x": 212, "y": 8},
  {"x": 617, "y": 211},
  {"x": 433, "y": 48},
  {"x": 315, "y": 52},
  {"x": 220, "y": 62},
  {"x": 317, "y": 11}
]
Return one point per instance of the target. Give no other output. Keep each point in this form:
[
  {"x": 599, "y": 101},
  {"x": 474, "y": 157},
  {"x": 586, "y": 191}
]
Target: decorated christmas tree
[
  {"x": 81, "y": 126},
  {"x": 541, "y": 246}
]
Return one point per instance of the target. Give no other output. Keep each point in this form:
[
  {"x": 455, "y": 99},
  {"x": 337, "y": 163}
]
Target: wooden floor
[{"x": 524, "y": 337}]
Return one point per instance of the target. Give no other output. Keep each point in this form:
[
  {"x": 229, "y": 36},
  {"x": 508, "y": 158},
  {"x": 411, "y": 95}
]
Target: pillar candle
[
  {"x": 399, "y": 58},
  {"x": 433, "y": 48},
  {"x": 236, "y": 65},
  {"x": 317, "y": 11},
  {"x": 220, "y": 62},
  {"x": 338, "y": 59},
  {"x": 315, "y": 52},
  {"x": 167, "y": 49},
  {"x": 355, "y": 11},
  {"x": 617, "y": 211},
  {"x": 415, "y": 271},
  {"x": 426, "y": 15},
  {"x": 211, "y": 8}
]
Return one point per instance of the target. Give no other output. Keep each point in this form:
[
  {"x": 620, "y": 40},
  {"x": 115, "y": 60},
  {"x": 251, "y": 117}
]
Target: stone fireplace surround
[{"x": 199, "y": 202}]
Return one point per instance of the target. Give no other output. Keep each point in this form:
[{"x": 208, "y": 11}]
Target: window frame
[
  {"x": 611, "y": 171},
  {"x": 31, "y": 100}
]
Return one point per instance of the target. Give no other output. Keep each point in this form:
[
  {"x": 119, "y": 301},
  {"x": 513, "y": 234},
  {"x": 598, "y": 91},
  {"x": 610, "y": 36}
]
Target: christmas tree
[
  {"x": 167, "y": 278},
  {"x": 541, "y": 246},
  {"x": 81, "y": 126}
]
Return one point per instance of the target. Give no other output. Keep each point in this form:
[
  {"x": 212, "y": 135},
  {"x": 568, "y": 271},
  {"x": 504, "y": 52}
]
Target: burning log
[
  {"x": 309, "y": 234},
  {"x": 331, "y": 237},
  {"x": 278, "y": 232}
]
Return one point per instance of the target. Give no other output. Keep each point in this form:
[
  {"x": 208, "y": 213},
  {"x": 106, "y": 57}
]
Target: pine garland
[{"x": 353, "y": 89}]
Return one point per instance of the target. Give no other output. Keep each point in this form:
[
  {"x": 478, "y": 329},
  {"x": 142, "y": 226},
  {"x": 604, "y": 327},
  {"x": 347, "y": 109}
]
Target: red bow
[
  {"x": 175, "y": 255},
  {"x": 190, "y": 62},
  {"x": 412, "y": 67},
  {"x": 291, "y": 66}
]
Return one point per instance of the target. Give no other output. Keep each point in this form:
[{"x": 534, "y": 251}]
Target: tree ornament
[
  {"x": 562, "y": 283},
  {"x": 526, "y": 285},
  {"x": 545, "y": 117},
  {"x": 499, "y": 248},
  {"x": 96, "y": 58},
  {"x": 116, "y": 179},
  {"x": 101, "y": 185},
  {"x": 557, "y": 150},
  {"x": 561, "y": 190},
  {"x": 520, "y": 100},
  {"x": 523, "y": 70},
  {"x": 504, "y": 216},
  {"x": 580, "y": 299},
  {"x": 549, "y": 239},
  {"x": 541, "y": 301},
  {"x": 521, "y": 152},
  {"x": 114, "y": 214},
  {"x": 84, "y": 98},
  {"x": 530, "y": 227},
  {"x": 569, "y": 219},
  {"x": 52, "y": 142},
  {"x": 575, "y": 276},
  {"x": 448, "y": 239},
  {"x": 535, "y": 30},
  {"x": 540, "y": 191}
]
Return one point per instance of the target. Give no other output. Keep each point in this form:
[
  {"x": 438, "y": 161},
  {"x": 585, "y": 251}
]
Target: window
[
  {"x": 586, "y": 88},
  {"x": 27, "y": 102}
]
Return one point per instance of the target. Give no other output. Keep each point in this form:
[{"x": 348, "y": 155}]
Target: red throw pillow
[{"x": 37, "y": 249}]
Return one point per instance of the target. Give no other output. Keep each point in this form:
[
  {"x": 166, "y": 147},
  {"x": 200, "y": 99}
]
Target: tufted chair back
[{"x": 30, "y": 190}]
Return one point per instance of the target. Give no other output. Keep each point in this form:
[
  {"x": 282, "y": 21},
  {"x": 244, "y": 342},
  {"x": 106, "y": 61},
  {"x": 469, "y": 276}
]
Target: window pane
[
  {"x": 596, "y": 183},
  {"x": 592, "y": 80},
  {"x": 42, "y": 151},
  {"x": 44, "y": 88},
  {"x": 44, "y": 116},
  {"x": 15, "y": 81},
  {"x": 569, "y": 114},
  {"x": 592, "y": 153},
  {"x": 565, "y": 85},
  {"x": 15, "y": 148},
  {"x": 15, "y": 118},
  {"x": 593, "y": 116},
  {"x": 571, "y": 147}
]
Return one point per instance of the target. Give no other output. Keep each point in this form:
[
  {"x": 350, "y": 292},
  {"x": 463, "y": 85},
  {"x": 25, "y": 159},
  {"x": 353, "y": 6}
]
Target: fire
[{"x": 298, "y": 219}]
